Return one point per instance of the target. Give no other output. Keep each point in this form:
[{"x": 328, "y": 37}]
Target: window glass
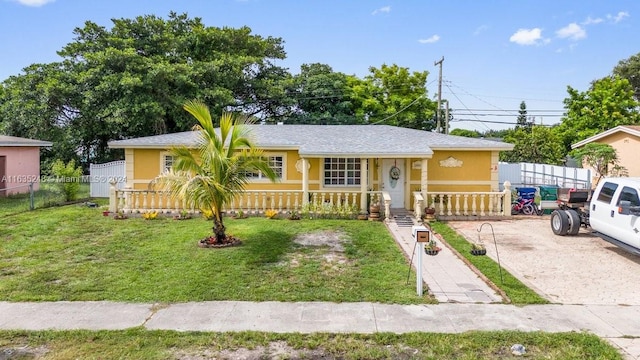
[
  {"x": 167, "y": 162},
  {"x": 607, "y": 191},
  {"x": 342, "y": 171},
  {"x": 276, "y": 163},
  {"x": 629, "y": 194}
]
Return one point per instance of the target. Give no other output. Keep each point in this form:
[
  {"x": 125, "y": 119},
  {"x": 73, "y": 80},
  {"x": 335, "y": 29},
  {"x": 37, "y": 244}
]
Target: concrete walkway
[{"x": 448, "y": 278}]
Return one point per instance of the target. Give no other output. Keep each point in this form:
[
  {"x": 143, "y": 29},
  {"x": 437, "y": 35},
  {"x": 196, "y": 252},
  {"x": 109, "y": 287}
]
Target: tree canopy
[
  {"x": 609, "y": 102},
  {"x": 131, "y": 80}
]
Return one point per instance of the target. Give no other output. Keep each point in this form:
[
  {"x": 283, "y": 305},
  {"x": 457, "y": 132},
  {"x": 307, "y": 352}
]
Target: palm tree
[{"x": 211, "y": 177}]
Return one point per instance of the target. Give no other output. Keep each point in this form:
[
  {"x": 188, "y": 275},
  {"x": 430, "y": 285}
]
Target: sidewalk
[{"x": 613, "y": 323}]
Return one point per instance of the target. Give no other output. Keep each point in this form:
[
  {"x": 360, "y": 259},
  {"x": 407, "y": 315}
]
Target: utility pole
[
  {"x": 446, "y": 117},
  {"x": 439, "y": 62}
]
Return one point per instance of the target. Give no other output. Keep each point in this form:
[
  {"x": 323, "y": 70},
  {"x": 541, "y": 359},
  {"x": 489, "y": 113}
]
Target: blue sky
[{"x": 496, "y": 53}]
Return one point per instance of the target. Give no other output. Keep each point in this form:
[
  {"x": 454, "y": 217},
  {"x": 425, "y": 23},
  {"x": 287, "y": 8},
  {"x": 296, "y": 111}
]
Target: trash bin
[{"x": 548, "y": 193}]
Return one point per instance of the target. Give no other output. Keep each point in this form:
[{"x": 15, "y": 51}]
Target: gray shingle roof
[
  {"x": 334, "y": 140},
  {"x": 18, "y": 141}
]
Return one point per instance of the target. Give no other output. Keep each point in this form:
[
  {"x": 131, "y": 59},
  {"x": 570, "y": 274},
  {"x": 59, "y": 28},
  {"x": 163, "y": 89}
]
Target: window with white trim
[
  {"x": 166, "y": 162},
  {"x": 276, "y": 163},
  {"x": 341, "y": 172}
]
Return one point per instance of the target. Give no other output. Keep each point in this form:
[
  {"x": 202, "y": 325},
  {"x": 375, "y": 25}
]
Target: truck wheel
[
  {"x": 559, "y": 222},
  {"x": 574, "y": 222}
]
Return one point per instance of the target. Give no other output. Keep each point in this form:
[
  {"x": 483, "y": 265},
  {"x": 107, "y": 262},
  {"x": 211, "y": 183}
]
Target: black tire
[
  {"x": 559, "y": 222},
  {"x": 574, "y": 222}
]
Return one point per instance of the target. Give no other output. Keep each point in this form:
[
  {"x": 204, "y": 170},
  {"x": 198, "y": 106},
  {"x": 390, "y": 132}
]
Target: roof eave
[{"x": 605, "y": 134}]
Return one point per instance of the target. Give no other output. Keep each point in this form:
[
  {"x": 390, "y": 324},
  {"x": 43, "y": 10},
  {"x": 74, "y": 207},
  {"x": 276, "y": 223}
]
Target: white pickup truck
[{"x": 612, "y": 211}]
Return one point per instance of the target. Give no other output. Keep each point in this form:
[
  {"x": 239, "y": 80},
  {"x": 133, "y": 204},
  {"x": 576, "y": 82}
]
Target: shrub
[{"x": 67, "y": 177}]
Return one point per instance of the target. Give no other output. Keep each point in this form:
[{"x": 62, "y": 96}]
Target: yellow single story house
[
  {"x": 340, "y": 163},
  {"x": 625, "y": 139}
]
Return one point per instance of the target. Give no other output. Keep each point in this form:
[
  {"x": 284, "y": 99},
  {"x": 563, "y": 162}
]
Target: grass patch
[
  {"x": 75, "y": 253},
  {"x": 515, "y": 290},
  {"x": 143, "y": 344}
]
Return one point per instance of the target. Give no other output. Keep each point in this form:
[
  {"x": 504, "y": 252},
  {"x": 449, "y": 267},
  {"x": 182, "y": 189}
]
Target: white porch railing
[
  {"x": 493, "y": 203},
  {"x": 258, "y": 202},
  {"x": 250, "y": 202}
]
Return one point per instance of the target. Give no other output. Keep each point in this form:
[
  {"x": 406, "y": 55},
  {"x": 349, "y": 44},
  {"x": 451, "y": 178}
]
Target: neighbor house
[
  {"x": 19, "y": 164},
  {"x": 625, "y": 139},
  {"x": 344, "y": 164}
]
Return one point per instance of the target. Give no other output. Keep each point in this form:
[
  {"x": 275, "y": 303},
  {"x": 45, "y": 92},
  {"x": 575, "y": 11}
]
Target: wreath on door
[{"x": 394, "y": 173}]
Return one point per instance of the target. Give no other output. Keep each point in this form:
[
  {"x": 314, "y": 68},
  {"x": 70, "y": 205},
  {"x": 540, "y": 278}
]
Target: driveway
[{"x": 581, "y": 269}]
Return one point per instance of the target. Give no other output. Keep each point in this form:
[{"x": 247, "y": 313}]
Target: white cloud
[
  {"x": 572, "y": 31},
  {"x": 591, "y": 21},
  {"x": 618, "y": 17},
  {"x": 34, "y": 3},
  {"x": 384, "y": 9},
  {"x": 430, "y": 40},
  {"x": 528, "y": 37}
]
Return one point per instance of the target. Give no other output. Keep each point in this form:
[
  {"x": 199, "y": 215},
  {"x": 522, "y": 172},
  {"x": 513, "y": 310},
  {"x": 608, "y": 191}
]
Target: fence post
[
  {"x": 506, "y": 199},
  {"x": 113, "y": 198},
  {"x": 31, "y": 202}
]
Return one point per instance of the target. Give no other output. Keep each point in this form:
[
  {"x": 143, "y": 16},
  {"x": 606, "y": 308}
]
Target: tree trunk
[{"x": 219, "y": 229}]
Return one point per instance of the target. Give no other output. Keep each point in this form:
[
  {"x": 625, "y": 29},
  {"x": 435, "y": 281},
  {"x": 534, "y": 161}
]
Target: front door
[
  {"x": 393, "y": 179},
  {"x": 3, "y": 175}
]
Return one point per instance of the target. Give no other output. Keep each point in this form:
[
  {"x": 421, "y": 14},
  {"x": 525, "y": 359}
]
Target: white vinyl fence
[
  {"x": 100, "y": 175},
  {"x": 523, "y": 174}
]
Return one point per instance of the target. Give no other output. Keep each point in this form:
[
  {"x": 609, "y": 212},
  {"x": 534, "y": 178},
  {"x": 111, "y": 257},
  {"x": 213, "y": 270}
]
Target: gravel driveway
[{"x": 582, "y": 269}]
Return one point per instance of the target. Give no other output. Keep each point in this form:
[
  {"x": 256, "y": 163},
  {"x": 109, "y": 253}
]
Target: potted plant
[
  {"x": 478, "y": 249},
  {"x": 432, "y": 248},
  {"x": 294, "y": 215}
]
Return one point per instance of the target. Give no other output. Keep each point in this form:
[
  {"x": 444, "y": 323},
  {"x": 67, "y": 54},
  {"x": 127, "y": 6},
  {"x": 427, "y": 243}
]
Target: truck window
[
  {"x": 629, "y": 194},
  {"x": 607, "y": 191}
]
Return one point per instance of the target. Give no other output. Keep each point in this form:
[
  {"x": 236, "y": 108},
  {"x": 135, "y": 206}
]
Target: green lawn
[
  {"x": 76, "y": 253},
  {"x": 142, "y": 344}
]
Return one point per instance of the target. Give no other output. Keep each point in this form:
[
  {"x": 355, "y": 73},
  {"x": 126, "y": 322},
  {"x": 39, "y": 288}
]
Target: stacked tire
[{"x": 565, "y": 222}]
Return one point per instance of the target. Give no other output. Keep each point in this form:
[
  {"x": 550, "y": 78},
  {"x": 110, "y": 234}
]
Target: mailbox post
[{"x": 421, "y": 235}]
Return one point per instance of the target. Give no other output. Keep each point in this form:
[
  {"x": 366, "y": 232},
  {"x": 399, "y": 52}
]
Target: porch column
[
  {"x": 305, "y": 181},
  {"x": 364, "y": 181},
  {"x": 424, "y": 174}
]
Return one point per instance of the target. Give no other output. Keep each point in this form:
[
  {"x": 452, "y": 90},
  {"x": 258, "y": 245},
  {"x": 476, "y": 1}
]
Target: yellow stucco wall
[
  {"x": 477, "y": 171},
  {"x": 627, "y": 147},
  {"x": 461, "y": 171}
]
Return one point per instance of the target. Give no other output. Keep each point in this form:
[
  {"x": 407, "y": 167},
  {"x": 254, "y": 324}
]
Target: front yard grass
[
  {"x": 75, "y": 253},
  {"x": 143, "y": 344}
]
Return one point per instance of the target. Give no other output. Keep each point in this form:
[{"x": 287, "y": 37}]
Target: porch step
[{"x": 403, "y": 219}]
